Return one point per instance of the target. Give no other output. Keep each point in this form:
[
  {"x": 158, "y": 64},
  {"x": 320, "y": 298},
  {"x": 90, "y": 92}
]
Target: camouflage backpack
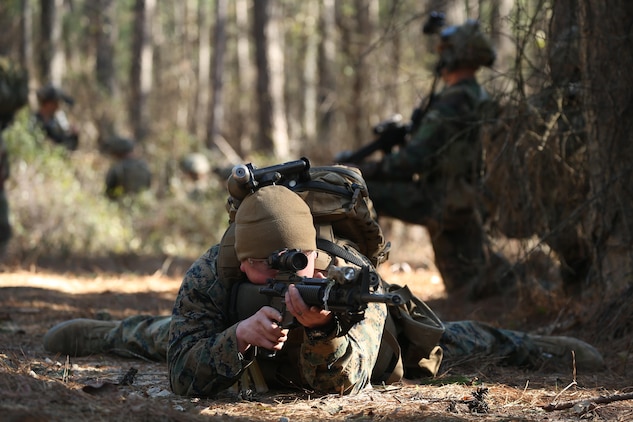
[{"x": 346, "y": 224}]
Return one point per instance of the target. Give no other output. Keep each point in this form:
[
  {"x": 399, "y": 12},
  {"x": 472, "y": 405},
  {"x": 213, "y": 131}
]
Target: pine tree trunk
[
  {"x": 142, "y": 64},
  {"x": 606, "y": 48}
]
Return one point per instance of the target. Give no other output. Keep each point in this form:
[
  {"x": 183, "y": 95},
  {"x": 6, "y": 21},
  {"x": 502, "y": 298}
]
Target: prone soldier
[{"x": 217, "y": 330}]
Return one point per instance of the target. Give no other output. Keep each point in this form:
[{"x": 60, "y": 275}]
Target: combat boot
[
  {"x": 80, "y": 337},
  {"x": 558, "y": 350}
]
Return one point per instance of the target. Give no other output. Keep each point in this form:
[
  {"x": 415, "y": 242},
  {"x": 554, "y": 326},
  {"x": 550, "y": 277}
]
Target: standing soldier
[
  {"x": 130, "y": 173},
  {"x": 434, "y": 179},
  {"x": 13, "y": 96}
]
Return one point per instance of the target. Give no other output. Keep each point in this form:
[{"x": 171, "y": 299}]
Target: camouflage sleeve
[
  {"x": 344, "y": 364},
  {"x": 202, "y": 355},
  {"x": 441, "y": 123}
]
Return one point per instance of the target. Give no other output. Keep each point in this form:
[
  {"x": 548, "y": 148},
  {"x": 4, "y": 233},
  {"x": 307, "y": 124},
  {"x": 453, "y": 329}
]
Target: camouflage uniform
[
  {"x": 434, "y": 181},
  {"x": 203, "y": 358},
  {"x": 56, "y": 127},
  {"x": 57, "y": 130},
  {"x": 129, "y": 175},
  {"x": 147, "y": 336}
]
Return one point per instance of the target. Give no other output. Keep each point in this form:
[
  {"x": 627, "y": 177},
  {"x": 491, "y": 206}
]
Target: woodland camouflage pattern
[
  {"x": 444, "y": 150},
  {"x": 129, "y": 175},
  {"x": 203, "y": 358},
  {"x": 434, "y": 181}
]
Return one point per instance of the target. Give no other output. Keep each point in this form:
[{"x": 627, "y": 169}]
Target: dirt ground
[{"x": 39, "y": 386}]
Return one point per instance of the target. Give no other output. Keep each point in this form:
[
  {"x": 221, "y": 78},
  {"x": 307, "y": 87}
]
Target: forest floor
[{"x": 40, "y": 386}]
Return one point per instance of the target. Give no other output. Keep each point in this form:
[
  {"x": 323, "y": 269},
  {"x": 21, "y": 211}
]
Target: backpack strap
[
  {"x": 336, "y": 250},
  {"x": 388, "y": 368}
]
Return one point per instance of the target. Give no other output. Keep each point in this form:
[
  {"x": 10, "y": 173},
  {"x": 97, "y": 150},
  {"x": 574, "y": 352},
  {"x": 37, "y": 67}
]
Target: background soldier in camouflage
[
  {"x": 434, "y": 179},
  {"x": 196, "y": 168},
  {"x": 13, "y": 96},
  {"x": 129, "y": 174},
  {"x": 208, "y": 347},
  {"x": 53, "y": 120}
]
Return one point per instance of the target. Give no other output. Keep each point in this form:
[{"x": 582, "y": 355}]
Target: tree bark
[
  {"x": 245, "y": 77},
  {"x": 141, "y": 70},
  {"x": 606, "y": 48},
  {"x": 283, "y": 149},
  {"x": 327, "y": 96},
  {"x": 204, "y": 69},
  {"x": 105, "y": 40},
  {"x": 10, "y": 29},
  {"x": 26, "y": 38},
  {"x": 216, "y": 113},
  {"x": 51, "y": 53},
  {"x": 261, "y": 20},
  {"x": 310, "y": 72}
]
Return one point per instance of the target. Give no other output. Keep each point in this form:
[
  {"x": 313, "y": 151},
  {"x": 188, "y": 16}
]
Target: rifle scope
[{"x": 289, "y": 260}]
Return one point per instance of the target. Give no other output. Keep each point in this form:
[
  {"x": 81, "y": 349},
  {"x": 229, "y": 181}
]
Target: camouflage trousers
[
  {"x": 462, "y": 252},
  {"x": 146, "y": 336}
]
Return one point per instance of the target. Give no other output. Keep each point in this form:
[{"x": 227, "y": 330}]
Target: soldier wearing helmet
[
  {"x": 52, "y": 118},
  {"x": 434, "y": 178},
  {"x": 129, "y": 174},
  {"x": 464, "y": 47}
]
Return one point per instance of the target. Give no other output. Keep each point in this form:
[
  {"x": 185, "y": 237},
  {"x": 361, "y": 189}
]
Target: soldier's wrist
[{"x": 324, "y": 332}]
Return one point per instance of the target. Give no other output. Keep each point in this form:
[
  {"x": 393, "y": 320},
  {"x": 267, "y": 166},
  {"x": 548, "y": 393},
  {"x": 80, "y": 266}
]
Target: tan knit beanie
[{"x": 270, "y": 219}]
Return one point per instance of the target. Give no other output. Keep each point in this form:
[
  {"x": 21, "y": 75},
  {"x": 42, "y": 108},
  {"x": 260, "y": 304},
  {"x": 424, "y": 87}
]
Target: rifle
[
  {"x": 346, "y": 291},
  {"x": 245, "y": 178},
  {"x": 392, "y": 132},
  {"x": 387, "y": 134}
]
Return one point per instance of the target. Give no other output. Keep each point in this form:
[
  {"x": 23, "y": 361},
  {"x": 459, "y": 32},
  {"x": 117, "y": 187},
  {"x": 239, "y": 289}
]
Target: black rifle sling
[{"x": 336, "y": 250}]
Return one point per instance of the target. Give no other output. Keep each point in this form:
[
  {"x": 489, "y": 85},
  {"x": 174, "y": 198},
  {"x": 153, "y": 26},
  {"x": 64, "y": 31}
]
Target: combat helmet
[
  {"x": 465, "y": 46},
  {"x": 14, "y": 90},
  {"x": 119, "y": 146},
  {"x": 195, "y": 164},
  {"x": 50, "y": 92}
]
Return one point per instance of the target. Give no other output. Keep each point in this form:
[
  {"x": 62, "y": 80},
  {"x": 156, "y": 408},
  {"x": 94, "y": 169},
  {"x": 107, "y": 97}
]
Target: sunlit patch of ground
[{"x": 39, "y": 386}]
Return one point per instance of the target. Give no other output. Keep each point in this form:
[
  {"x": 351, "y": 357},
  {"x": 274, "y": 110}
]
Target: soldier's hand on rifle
[
  {"x": 308, "y": 316},
  {"x": 261, "y": 329}
]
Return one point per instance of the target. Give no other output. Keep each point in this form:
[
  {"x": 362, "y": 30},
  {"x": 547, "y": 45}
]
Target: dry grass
[{"x": 37, "y": 386}]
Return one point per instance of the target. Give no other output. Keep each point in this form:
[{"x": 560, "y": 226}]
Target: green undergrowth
[{"x": 58, "y": 207}]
